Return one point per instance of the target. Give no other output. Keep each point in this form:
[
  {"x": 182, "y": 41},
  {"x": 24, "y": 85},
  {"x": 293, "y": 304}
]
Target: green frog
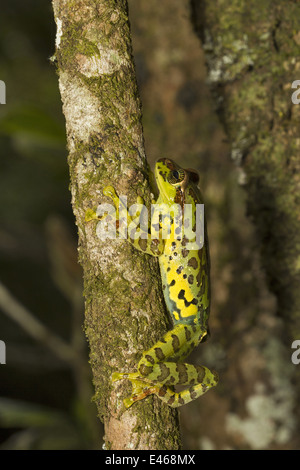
[{"x": 184, "y": 269}]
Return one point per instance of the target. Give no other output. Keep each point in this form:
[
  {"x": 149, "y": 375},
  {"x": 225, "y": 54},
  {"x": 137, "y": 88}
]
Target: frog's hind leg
[
  {"x": 175, "y": 345},
  {"x": 206, "y": 380},
  {"x": 162, "y": 367},
  {"x": 176, "y": 399}
]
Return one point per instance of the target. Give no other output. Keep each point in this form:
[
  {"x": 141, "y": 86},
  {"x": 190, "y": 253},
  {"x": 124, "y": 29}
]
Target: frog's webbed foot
[
  {"x": 91, "y": 214},
  {"x": 140, "y": 388}
]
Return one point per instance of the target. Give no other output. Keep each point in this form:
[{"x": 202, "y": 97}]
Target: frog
[{"x": 185, "y": 280}]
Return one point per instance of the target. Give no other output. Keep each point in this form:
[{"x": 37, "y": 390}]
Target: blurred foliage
[{"x": 45, "y": 402}]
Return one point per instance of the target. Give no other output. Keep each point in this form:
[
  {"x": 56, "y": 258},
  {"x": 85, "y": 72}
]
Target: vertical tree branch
[{"x": 124, "y": 306}]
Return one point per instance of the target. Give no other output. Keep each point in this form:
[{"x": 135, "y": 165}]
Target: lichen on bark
[
  {"x": 251, "y": 54},
  {"x": 124, "y": 307}
]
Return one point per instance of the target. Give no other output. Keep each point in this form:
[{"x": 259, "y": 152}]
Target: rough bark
[
  {"x": 124, "y": 307},
  {"x": 251, "y": 53}
]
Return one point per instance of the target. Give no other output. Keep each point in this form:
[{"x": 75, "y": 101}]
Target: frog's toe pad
[
  {"x": 90, "y": 215},
  {"x": 129, "y": 401},
  {"x": 115, "y": 376},
  {"x": 134, "y": 398},
  {"x": 109, "y": 191}
]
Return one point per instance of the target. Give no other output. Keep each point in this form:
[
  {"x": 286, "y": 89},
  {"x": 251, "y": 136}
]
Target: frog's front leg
[{"x": 160, "y": 374}]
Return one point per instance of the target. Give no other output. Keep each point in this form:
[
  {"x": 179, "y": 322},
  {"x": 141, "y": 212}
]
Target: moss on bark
[
  {"x": 124, "y": 307},
  {"x": 252, "y": 57}
]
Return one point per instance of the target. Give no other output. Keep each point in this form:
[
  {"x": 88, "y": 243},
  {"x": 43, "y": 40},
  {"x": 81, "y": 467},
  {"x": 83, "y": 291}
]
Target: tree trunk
[
  {"x": 124, "y": 305},
  {"x": 252, "y": 53}
]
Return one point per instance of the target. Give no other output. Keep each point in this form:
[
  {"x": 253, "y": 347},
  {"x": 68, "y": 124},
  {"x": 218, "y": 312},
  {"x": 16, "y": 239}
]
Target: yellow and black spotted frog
[{"x": 185, "y": 283}]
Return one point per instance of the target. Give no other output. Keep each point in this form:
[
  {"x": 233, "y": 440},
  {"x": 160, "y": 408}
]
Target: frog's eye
[{"x": 176, "y": 176}]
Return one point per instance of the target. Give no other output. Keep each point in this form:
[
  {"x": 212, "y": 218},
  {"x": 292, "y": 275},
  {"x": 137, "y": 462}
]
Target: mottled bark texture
[
  {"x": 124, "y": 307},
  {"x": 252, "y": 50}
]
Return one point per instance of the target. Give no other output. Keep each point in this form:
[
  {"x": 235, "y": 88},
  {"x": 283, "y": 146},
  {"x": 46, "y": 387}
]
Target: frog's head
[{"x": 172, "y": 180}]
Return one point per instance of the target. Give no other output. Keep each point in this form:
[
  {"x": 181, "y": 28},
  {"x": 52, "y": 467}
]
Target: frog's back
[
  {"x": 185, "y": 281},
  {"x": 185, "y": 271}
]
